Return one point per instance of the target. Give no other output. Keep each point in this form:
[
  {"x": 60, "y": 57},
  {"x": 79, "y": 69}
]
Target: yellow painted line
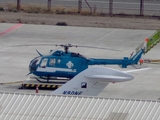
[
  {"x": 59, "y": 86},
  {"x": 155, "y": 60},
  {"x": 26, "y": 85},
  {"x": 12, "y": 82},
  {"x": 52, "y": 86},
  {"x": 43, "y": 85},
  {"x": 48, "y": 86}
]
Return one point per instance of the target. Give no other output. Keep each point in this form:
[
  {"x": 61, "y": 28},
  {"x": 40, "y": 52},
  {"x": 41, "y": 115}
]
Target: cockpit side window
[
  {"x": 52, "y": 62},
  {"x": 58, "y": 61},
  {"x": 44, "y": 62}
]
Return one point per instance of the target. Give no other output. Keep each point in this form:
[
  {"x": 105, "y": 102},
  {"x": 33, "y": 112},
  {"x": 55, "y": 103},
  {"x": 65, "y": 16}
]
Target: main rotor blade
[
  {"x": 44, "y": 44},
  {"x": 67, "y": 45},
  {"x": 100, "y": 48}
]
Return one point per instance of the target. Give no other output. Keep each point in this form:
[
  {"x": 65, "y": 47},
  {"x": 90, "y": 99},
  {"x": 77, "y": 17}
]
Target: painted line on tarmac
[
  {"x": 11, "y": 29},
  {"x": 11, "y": 82}
]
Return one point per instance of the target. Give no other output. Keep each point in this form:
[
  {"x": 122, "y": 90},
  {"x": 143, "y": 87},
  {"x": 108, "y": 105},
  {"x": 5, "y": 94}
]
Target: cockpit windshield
[{"x": 35, "y": 61}]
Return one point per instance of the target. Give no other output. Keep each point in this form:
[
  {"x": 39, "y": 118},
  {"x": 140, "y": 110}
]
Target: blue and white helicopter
[{"x": 66, "y": 64}]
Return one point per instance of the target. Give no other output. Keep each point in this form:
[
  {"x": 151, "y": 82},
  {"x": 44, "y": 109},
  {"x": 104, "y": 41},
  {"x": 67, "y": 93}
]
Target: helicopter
[
  {"x": 66, "y": 64},
  {"x": 63, "y": 64}
]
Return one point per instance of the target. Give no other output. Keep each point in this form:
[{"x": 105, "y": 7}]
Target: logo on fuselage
[
  {"x": 70, "y": 64},
  {"x": 83, "y": 85}
]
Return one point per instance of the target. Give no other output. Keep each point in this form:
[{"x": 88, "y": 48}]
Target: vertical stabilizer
[
  {"x": 152, "y": 41},
  {"x": 92, "y": 81},
  {"x": 146, "y": 46}
]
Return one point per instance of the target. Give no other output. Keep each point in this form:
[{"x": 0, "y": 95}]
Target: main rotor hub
[{"x": 66, "y": 47}]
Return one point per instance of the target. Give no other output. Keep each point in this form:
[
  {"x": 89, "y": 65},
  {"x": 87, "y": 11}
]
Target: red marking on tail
[{"x": 146, "y": 39}]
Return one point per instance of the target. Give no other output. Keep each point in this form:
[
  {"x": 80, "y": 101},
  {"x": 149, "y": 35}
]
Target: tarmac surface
[{"x": 14, "y": 60}]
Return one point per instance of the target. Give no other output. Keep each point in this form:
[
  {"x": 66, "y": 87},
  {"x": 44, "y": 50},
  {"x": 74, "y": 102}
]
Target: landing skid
[
  {"x": 58, "y": 81},
  {"x": 32, "y": 81}
]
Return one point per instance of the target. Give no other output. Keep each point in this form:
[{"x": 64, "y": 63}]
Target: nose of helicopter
[
  {"x": 34, "y": 64},
  {"x": 32, "y": 68}
]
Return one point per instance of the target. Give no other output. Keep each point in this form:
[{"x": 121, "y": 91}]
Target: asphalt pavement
[{"x": 14, "y": 60}]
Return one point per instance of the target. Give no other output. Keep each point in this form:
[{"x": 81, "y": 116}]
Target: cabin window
[
  {"x": 52, "y": 62},
  {"x": 44, "y": 62},
  {"x": 58, "y": 61}
]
